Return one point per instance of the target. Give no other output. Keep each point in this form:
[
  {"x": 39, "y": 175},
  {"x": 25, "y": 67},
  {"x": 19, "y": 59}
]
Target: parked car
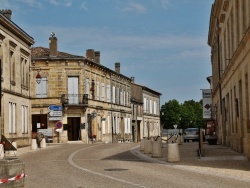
[{"x": 192, "y": 134}]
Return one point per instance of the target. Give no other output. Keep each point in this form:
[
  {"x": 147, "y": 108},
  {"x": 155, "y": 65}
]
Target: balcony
[{"x": 74, "y": 99}]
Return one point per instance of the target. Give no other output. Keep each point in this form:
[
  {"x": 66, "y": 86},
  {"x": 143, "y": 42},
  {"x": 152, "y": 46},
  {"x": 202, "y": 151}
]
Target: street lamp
[{"x": 38, "y": 78}]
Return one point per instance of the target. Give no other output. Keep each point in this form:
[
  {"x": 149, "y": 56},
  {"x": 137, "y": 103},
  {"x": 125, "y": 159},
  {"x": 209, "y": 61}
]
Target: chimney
[
  {"x": 53, "y": 45},
  {"x": 97, "y": 57},
  {"x": 133, "y": 80},
  {"x": 117, "y": 67},
  {"x": 7, "y": 13},
  {"x": 90, "y": 54}
]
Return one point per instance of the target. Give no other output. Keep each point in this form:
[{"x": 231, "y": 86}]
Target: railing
[{"x": 74, "y": 99}]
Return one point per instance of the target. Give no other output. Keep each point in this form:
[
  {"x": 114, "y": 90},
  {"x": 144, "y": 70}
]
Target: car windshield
[{"x": 191, "y": 130}]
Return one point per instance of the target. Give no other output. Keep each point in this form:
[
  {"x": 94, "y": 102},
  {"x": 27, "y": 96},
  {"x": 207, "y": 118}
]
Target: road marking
[{"x": 70, "y": 160}]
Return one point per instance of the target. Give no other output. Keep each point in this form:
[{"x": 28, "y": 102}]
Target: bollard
[
  {"x": 157, "y": 147},
  {"x": 43, "y": 143},
  {"x": 178, "y": 140},
  {"x": 173, "y": 152},
  {"x": 148, "y": 146},
  {"x": 1, "y": 151},
  {"x": 12, "y": 173},
  {"x": 142, "y": 144},
  {"x": 33, "y": 144}
]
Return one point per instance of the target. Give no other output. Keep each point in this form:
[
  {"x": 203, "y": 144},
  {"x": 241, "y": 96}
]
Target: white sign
[
  {"x": 207, "y": 103},
  {"x": 46, "y": 132},
  {"x": 55, "y": 118},
  {"x": 55, "y": 113}
]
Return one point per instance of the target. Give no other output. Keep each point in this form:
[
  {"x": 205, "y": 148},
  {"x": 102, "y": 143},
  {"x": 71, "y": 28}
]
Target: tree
[
  {"x": 188, "y": 114},
  {"x": 170, "y": 114}
]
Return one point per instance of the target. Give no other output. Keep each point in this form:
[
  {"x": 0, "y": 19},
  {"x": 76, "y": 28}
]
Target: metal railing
[{"x": 74, "y": 99}]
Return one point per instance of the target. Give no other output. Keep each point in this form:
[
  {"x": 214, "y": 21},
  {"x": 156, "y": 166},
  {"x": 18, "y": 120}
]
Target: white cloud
[
  {"x": 32, "y": 3},
  {"x": 83, "y": 6},
  {"x": 165, "y": 3},
  {"x": 66, "y": 3},
  {"x": 134, "y": 7}
]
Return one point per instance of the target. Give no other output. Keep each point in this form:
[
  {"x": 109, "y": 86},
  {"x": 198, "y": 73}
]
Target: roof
[
  {"x": 148, "y": 89},
  {"x": 41, "y": 52},
  {"x": 15, "y": 29}
]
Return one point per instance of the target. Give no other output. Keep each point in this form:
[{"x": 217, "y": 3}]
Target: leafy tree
[
  {"x": 170, "y": 114},
  {"x": 188, "y": 114}
]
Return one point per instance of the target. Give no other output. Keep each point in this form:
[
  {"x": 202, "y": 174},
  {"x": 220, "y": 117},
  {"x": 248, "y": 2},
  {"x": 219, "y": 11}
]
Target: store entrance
[{"x": 74, "y": 128}]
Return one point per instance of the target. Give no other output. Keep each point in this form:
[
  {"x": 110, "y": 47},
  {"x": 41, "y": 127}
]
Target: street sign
[
  {"x": 55, "y": 118},
  {"x": 59, "y": 124},
  {"x": 55, "y": 108},
  {"x": 55, "y": 113}
]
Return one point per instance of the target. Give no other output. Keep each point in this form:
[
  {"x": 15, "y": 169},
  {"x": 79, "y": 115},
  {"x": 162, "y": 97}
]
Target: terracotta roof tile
[{"x": 41, "y": 52}]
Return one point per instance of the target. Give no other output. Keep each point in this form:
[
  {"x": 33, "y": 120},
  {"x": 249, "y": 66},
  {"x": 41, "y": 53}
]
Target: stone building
[
  {"x": 15, "y": 57},
  {"x": 145, "y": 104},
  {"x": 78, "y": 98},
  {"x": 229, "y": 39},
  {"x": 151, "y": 113}
]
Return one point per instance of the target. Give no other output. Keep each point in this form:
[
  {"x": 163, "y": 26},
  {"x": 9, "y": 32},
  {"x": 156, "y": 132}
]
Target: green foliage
[{"x": 188, "y": 114}]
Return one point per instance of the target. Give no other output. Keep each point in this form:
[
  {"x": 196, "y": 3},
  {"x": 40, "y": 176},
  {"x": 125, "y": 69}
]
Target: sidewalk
[{"x": 218, "y": 160}]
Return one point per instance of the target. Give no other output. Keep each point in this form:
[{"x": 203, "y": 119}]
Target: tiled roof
[{"x": 41, "y": 52}]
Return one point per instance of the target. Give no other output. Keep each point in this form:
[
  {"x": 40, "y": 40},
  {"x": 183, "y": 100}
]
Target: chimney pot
[
  {"x": 97, "y": 57},
  {"x": 53, "y": 45},
  {"x": 117, "y": 67},
  {"x": 90, "y": 54},
  {"x": 7, "y": 13}
]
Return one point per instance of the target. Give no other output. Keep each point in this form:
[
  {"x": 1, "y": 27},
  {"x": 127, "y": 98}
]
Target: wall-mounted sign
[
  {"x": 59, "y": 124},
  {"x": 55, "y": 108},
  {"x": 55, "y": 113}
]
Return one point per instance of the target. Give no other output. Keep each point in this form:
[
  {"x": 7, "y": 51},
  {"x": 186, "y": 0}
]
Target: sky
[{"x": 161, "y": 43}]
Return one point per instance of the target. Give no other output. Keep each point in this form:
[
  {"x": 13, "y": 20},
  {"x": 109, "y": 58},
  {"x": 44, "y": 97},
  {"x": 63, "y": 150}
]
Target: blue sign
[{"x": 55, "y": 108}]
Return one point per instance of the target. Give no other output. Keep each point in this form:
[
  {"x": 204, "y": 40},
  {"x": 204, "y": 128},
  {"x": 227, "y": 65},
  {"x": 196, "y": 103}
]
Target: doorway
[{"x": 74, "y": 128}]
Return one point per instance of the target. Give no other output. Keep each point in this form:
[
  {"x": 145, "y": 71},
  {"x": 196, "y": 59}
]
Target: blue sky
[{"x": 162, "y": 43}]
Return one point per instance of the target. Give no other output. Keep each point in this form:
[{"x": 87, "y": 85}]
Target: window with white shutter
[
  {"x": 41, "y": 88},
  {"x": 102, "y": 92},
  {"x": 103, "y": 127},
  {"x": 87, "y": 86},
  {"x": 113, "y": 95},
  {"x": 12, "y": 117},
  {"x": 97, "y": 90},
  {"x": 108, "y": 94},
  {"x": 73, "y": 90}
]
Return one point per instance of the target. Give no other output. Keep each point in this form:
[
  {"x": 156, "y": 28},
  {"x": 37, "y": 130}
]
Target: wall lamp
[{"x": 38, "y": 76}]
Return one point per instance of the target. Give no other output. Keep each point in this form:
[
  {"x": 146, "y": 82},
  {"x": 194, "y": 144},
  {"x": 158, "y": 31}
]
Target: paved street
[{"x": 118, "y": 165}]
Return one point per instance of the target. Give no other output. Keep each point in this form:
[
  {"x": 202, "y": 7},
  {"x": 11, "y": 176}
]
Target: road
[{"x": 111, "y": 166}]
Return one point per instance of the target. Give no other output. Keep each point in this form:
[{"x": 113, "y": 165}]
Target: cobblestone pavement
[{"x": 217, "y": 160}]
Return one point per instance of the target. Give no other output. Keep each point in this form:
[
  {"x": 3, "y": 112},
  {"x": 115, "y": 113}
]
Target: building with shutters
[
  {"x": 229, "y": 39},
  {"x": 95, "y": 100},
  {"x": 15, "y": 57},
  {"x": 145, "y": 104}
]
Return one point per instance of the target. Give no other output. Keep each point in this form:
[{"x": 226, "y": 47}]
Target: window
[
  {"x": 102, "y": 92},
  {"x": 108, "y": 94},
  {"x": 12, "y": 66},
  {"x": 12, "y": 117},
  {"x": 24, "y": 119},
  {"x": 41, "y": 88},
  {"x": 87, "y": 86},
  {"x": 113, "y": 94},
  {"x": 73, "y": 90},
  {"x": 103, "y": 127},
  {"x": 24, "y": 72},
  {"x": 109, "y": 125},
  {"x": 97, "y": 90}
]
